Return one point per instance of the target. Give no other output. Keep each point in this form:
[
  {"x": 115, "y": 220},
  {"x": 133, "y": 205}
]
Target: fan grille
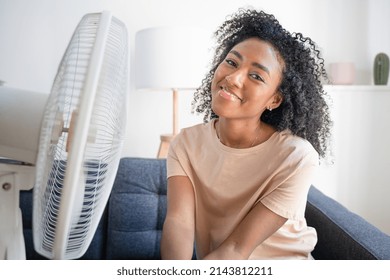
[{"x": 102, "y": 148}]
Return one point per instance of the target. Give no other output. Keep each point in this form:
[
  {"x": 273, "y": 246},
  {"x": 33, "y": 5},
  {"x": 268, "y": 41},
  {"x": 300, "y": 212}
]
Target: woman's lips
[{"x": 224, "y": 93}]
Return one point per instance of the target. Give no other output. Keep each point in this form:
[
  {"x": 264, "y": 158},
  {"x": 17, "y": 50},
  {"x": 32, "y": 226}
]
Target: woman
[{"x": 238, "y": 184}]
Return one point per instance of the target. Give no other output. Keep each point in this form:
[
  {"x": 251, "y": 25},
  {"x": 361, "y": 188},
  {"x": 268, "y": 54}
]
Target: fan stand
[{"x": 13, "y": 178}]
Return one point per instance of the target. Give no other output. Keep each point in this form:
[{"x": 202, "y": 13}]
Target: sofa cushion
[{"x": 136, "y": 210}]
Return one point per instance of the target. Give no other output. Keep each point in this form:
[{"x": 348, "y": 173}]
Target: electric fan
[{"x": 81, "y": 137}]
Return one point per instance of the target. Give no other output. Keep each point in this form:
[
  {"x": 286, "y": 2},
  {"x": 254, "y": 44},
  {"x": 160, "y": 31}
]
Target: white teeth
[{"x": 233, "y": 96}]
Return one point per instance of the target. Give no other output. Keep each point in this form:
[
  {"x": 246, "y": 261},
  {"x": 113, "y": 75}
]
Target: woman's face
[{"x": 246, "y": 81}]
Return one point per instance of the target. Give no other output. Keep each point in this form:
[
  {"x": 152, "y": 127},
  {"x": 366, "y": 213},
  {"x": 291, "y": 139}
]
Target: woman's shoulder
[
  {"x": 194, "y": 134},
  {"x": 295, "y": 144},
  {"x": 197, "y": 130}
]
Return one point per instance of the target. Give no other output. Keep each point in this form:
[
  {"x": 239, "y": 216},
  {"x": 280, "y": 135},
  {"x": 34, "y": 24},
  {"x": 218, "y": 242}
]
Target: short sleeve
[
  {"x": 174, "y": 158},
  {"x": 289, "y": 198}
]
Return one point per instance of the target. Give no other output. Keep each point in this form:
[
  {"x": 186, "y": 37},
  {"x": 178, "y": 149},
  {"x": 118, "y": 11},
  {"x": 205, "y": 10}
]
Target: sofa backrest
[{"x": 137, "y": 209}]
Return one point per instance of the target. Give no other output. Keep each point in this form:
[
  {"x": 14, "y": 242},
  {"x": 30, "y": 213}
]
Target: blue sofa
[{"x": 131, "y": 225}]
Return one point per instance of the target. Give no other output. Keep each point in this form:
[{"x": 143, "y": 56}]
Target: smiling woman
[
  {"x": 238, "y": 184},
  {"x": 304, "y": 110},
  {"x": 249, "y": 78}
]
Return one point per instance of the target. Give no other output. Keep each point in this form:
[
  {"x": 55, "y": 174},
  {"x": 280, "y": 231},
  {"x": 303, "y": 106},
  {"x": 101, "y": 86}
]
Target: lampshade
[{"x": 170, "y": 57}]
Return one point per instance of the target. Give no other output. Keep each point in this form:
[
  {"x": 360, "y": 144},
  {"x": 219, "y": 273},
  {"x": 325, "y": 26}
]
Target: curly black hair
[{"x": 304, "y": 110}]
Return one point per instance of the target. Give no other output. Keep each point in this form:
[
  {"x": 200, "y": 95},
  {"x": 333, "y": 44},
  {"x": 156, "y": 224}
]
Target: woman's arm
[
  {"x": 257, "y": 226},
  {"x": 177, "y": 241}
]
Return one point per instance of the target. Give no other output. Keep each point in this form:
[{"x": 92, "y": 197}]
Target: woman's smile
[{"x": 225, "y": 93}]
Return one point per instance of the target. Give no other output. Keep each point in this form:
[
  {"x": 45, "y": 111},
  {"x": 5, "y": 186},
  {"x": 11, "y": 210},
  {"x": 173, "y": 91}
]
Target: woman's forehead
[{"x": 258, "y": 50}]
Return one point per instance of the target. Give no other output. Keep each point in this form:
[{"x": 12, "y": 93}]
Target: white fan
[{"x": 81, "y": 138}]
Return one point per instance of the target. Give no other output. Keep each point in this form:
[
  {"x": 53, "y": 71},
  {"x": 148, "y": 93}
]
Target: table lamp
[{"x": 170, "y": 58}]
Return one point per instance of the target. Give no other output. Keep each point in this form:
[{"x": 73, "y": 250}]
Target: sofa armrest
[{"x": 341, "y": 233}]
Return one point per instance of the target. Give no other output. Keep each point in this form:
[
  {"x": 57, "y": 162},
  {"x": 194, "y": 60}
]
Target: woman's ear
[{"x": 276, "y": 100}]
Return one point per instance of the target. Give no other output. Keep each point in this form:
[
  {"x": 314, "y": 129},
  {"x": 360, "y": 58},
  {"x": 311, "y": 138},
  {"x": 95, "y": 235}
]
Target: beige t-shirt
[{"x": 229, "y": 182}]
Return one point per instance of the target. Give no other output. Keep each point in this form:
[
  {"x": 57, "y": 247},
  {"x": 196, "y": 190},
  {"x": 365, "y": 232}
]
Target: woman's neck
[{"x": 238, "y": 134}]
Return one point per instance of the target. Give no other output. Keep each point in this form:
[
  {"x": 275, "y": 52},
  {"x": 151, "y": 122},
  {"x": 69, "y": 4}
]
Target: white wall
[
  {"x": 359, "y": 176},
  {"x": 35, "y": 33}
]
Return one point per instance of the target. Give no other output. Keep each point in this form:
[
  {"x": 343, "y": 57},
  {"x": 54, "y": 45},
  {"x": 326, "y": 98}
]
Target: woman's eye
[
  {"x": 231, "y": 62},
  {"x": 257, "y": 77}
]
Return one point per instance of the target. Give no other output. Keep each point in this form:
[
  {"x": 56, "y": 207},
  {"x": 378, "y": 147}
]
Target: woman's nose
[{"x": 235, "y": 79}]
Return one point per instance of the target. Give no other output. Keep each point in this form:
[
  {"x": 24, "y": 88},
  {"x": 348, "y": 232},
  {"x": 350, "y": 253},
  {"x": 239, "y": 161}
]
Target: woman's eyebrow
[
  {"x": 236, "y": 53},
  {"x": 256, "y": 64}
]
